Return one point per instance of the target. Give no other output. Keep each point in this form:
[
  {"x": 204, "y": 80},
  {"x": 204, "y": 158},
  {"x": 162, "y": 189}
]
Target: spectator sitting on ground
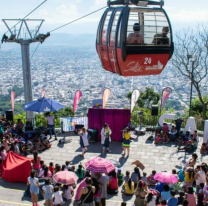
[
  {"x": 188, "y": 148},
  {"x": 144, "y": 178},
  {"x": 80, "y": 172},
  {"x": 172, "y": 133},
  {"x": 195, "y": 135},
  {"x": 166, "y": 139},
  {"x": 203, "y": 149},
  {"x": 30, "y": 147},
  {"x": 39, "y": 146},
  {"x": 128, "y": 187},
  {"x": 165, "y": 127},
  {"x": 173, "y": 200},
  {"x": 46, "y": 143},
  {"x": 120, "y": 177},
  {"x": 180, "y": 197},
  {"x": 126, "y": 178},
  {"x": 186, "y": 137},
  {"x": 158, "y": 139},
  {"x": 165, "y": 194},
  {"x": 179, "y": 140},
  {"x": 150, "y": 179},
  {"x": 136, "y": 176},
  {"x": 113, "y": 183}
]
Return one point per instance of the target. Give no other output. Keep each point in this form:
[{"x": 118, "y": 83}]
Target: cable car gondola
[{"x": 133, "y": 39}]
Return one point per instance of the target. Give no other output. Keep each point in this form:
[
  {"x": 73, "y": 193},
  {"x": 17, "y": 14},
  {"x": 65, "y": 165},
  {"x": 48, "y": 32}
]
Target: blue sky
[{"x": 183, "y": 14}]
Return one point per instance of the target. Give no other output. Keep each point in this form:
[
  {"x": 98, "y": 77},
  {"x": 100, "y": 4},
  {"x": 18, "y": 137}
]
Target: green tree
[{"x": 146, "y": 98}]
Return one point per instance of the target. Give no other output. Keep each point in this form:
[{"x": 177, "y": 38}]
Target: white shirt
[
  {"x": 50, "y": 120},
  {"x": 44, "y": 188},
  {"x": 67, "y": 193},
  {"x": 16, "y": 149},
  {"x": 35, "y": 180},
  {"x": 201, "y": 178},
  {"x": 41, "y": 172},
  {"x": 58, "y": 198},
  {"x": 152, "y": 202}
]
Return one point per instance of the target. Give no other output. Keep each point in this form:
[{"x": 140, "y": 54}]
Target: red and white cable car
[{"x": 134, "y": 39}]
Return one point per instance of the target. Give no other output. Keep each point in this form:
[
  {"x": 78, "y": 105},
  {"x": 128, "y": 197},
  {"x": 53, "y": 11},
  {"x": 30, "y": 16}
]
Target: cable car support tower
[{"x": 24, "y": 36}]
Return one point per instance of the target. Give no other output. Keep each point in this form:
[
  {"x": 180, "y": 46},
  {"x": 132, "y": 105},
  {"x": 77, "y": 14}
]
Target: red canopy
[{"x": 16, "y": 168}]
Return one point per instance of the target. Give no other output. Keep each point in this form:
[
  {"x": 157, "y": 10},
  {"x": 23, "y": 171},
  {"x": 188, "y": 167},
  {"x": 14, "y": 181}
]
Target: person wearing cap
[
  {"x": 126, "y": 141},
  {"x": 162, "y": 38},
  {"x": 136, "y": 37}
]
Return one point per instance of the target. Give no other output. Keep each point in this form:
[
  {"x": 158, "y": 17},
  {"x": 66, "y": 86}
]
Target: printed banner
[
  {"x": 69, "y": 123},
  {"x": 106, "y": 95},
  {"x": 12, "y": 100},
  {"x": 165, "y": 95},
  {"x": 97, "y": 103},
  {"x": 134, "y": 98},
  {"x": 77, "y": 97},
  {"x": 43, "y": 93}
]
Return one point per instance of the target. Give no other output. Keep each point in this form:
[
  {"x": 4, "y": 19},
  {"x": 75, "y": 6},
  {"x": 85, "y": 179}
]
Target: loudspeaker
[
  {"x": 9, "y": 115},
  {"x": 154, "y": 111}
]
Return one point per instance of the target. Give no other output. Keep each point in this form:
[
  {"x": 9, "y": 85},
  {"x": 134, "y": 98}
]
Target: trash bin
[{"x": 93, "y": 135}]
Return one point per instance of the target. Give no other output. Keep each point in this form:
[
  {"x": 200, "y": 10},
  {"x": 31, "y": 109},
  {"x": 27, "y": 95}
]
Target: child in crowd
[
  {"x": 158, "y": 139},
  {"x": 151, "y": 179},
  {"x": 48, "y": 192},
  {"x": 68, "y": 192},
  {"x": 180, "y": 197},
  {"x": 166, "y": 139},
  {"x": 179, "y": 140},
  {"x": 128, "y": 187},
  {"x": 185, "y": 202},
  {"x": 63, "y": 167},
  {"x": 173, "y": 200},
  {"x": 58, "y": 199},
  {"x": 190, "y": 196},
  {"x": 67, "y": 165},
  {"x": 195, "y": 135},
  {"x": 165, "y": 128},
  {"x": 120, "y": 177},
  {"x": 46, "y": 143},
  {"x": 203, "y": 149},
  {"x": 144, "y": 178},
  {"x": 72, "y": 168},
  {"x": 135, "y": 176},
  {"x": 200, "y": 195},
  {"x": 51, "y": 167},
  {"x": 123, "y": 204},
  {"x": 126, "y": 178},
  {"x": 186, "y": 137},
  {"x": 80, "y": 172}
]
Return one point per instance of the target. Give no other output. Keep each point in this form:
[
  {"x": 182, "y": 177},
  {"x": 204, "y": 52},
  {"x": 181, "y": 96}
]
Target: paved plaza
[{"x": 159, "y": 157}]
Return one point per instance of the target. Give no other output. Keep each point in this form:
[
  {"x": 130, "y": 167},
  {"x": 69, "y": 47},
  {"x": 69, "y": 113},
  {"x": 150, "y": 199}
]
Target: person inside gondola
[
  {"x": 136, "y": 37},
  {"x": 162, "y": 39}
]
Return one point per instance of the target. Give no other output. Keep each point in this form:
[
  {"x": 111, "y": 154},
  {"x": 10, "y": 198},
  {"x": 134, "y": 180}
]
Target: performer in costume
[
  {"x": 105, "y": 138},
  {"x": 126, "y": 141}
]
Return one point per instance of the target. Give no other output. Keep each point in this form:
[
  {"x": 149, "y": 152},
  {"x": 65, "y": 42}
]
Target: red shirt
[
  {"x": 51, "y": 169},
  {"x": 113, "y": 183}
]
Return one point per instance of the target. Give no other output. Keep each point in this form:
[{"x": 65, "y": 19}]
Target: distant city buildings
[{"x": 62, "y": 70}]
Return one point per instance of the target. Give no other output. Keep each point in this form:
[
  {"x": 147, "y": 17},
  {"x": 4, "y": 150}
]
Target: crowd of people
[
  {"x": 185, "y": 142},
  {"x": 93, "y": 188}
]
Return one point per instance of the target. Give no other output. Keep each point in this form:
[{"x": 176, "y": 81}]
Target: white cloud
[{"x": 188, "y": 16}]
